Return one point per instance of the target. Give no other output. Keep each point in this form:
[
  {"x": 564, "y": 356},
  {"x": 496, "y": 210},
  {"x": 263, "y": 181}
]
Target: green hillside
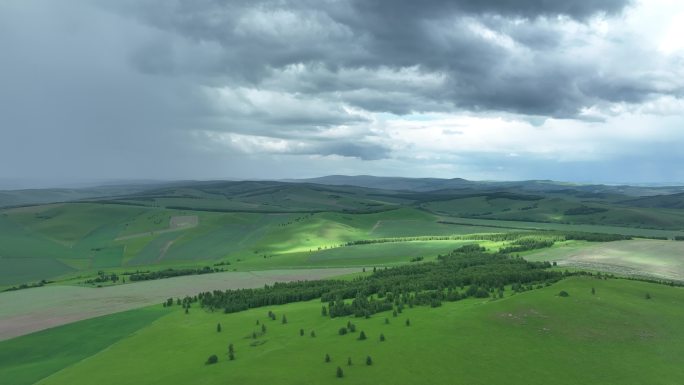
[
  {"x": 615, "y": 336},
  {"x": 262, "y": 225}
]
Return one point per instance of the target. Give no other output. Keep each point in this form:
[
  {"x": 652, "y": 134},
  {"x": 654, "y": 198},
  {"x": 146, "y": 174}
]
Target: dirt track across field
[
  {"x": 27, "y": 311},
  {"x": 175, "y": 224}
]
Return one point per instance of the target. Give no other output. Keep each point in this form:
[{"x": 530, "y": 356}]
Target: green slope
[
  {"x": 613, "y": 337},
  {"x": 25, "y": 360}
]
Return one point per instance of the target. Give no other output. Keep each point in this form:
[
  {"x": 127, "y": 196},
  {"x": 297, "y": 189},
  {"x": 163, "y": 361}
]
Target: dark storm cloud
[
  {"x": 243, "y": 43},
  {"x": 578, "y": 9}
]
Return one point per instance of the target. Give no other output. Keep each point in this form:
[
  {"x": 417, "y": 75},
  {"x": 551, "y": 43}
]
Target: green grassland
[
  {"x": 496, "y": 225},
  {"x": 30, "y": 358},
  {"x": 262, "y": 232},
  {"x": 269, "y": 225},
  {"x": 40, "y": 242},
  {"x": 27, "y": 311},
  {"x": 615, "y": 336},
  {"x": 380, "y": 254},
  {"x": 557, "y": 210}
]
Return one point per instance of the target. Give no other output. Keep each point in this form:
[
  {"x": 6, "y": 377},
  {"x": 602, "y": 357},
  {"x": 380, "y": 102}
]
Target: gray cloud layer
[{"x": 126, "y": 83}]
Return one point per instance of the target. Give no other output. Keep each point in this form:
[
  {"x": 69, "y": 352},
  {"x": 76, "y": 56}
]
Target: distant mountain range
[{"x": 431, "y": 186}]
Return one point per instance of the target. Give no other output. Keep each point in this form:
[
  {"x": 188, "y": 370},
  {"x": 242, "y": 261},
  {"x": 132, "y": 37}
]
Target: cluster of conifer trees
[{"x": 466, "y": 272}]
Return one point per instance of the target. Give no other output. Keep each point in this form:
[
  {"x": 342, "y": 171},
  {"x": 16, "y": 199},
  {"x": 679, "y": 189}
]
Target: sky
[{"x": 574, "y": 90}]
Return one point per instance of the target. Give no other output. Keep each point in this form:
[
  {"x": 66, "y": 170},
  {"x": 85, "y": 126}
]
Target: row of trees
[
  {"x": 525, "y": 236},
  {"x": 168, "y": 273},
  {"x": 103, "y": 277},
  {"x": 525, "y": 244}
]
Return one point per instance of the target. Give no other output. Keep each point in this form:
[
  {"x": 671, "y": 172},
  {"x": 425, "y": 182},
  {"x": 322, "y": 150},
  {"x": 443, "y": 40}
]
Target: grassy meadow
[
  {"x": 74, "y": 330},
  {"x": 68, "y": 240},
  {"x": 614, "y": 336}
]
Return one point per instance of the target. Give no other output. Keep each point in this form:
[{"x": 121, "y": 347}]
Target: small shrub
[
  {"x": 212, "y": 359},
  {"x": 340, "y": 373},
  {"x": 563, "y": 293}
]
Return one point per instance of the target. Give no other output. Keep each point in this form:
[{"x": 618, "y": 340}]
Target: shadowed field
[{"x": 642, "y": 258}]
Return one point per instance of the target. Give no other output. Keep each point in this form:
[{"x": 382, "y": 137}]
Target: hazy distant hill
[
  {"x": 435, "y": 184},
  {"x": 51, "y": 195},
  {"x": 672, "y": 201},
  {"x": 359, "y": 192},
  {"x": 391, "y": 183}
]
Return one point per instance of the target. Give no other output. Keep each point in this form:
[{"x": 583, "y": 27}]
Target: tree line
[
  {"x": 466, "y": 272},
  {"x": 549, "y": 235},
  {"x": 168, "y": 273}
]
